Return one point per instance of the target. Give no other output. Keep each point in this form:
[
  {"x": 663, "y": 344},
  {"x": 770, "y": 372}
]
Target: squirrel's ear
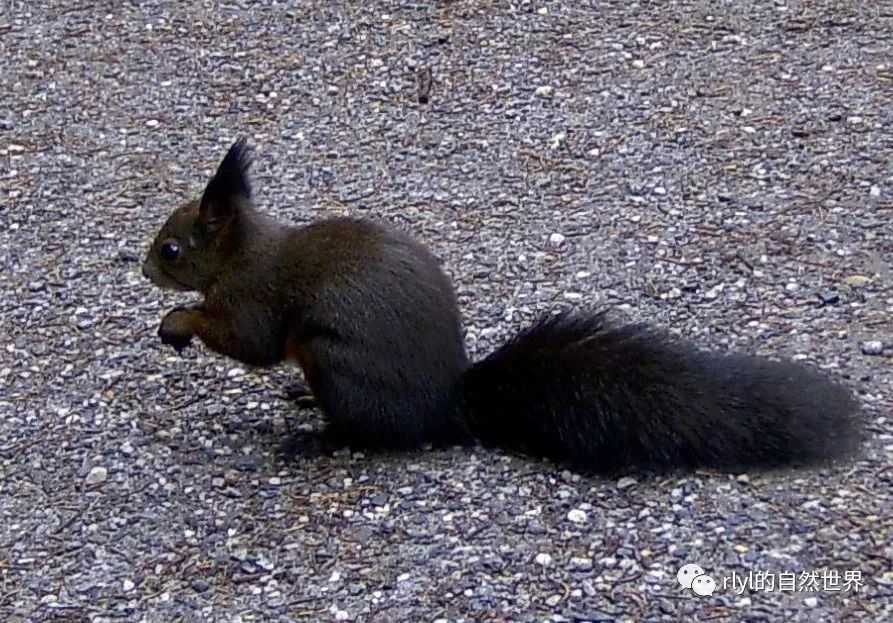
[{"x": 229, "y": 189}]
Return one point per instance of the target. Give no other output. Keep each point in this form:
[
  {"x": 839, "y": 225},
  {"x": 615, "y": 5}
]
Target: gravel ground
[{"x": 720, "y": 168}]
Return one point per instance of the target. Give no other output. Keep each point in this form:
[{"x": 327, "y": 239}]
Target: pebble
[
  {"x": 247, "y": 462},
  {"x": 97, "y": 475},
  {"x": 857, "y": 281},
  {"x": 543, "y": 559},
  {"x": 128, "y": 255},
  {"x": 626, "y": 482},
  {"x": 199, "y": 585},
  {"x": 557, "y": 239},
  {"x": 589, "y": 588},
  {"x": 577, "y": 515},
  {"x": 873, "y": 347},
  {"x": 543, "y": 91},
  {"x": 811, "y": 602},
  {"x": 714, "y": 292},
  {"x": 829, "y": 297},
  {"x": 581, "y": 564}
]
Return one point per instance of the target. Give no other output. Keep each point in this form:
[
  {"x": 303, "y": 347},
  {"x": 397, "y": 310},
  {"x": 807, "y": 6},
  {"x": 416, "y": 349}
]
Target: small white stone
[
  {"x": 556, "y": 239},
  {"x": 810, "y": 602},
  {"x": 127, "y": 584},
  {"x": 714, "y": 292},
  {"x": 275, "y": 481},
  {"x": 874, "y": 191},
  {"x": 152, "y": 123},
  {"x": 577, "y": 515},
  {"x": 97, "y": 475},
  {"x": 543, "y": 11},
  {"x": 638, "y": 63},
  {"x": 873, "y": 347},
  {"x": 543, "y": 559},
  {"x": 544, "y": 90}
]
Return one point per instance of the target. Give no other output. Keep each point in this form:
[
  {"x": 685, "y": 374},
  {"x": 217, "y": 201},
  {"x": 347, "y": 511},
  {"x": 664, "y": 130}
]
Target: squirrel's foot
[{"x": 307, "y": 445}]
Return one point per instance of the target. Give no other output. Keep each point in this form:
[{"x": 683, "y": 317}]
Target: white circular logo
[
  {"x": 703, "y": 585},
  {"x": 688, "y": 573}
]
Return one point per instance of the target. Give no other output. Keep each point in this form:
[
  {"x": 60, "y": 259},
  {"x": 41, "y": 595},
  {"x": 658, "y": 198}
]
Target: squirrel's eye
[{"x": 170, "y": 251}]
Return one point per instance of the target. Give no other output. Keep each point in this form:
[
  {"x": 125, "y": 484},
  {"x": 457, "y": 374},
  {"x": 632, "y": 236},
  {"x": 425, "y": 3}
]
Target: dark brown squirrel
[{"x": 372, "y": 320}]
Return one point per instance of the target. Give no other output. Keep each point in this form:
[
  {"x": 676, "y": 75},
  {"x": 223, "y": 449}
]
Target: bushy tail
[{"x": 606, "y": 397}]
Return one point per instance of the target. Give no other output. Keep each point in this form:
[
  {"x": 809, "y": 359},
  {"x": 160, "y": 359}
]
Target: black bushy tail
[{"x": 606, "y": 397}]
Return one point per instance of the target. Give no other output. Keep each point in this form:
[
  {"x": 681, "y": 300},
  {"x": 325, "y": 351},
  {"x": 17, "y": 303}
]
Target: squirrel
[{"x": 373, "y": 322}]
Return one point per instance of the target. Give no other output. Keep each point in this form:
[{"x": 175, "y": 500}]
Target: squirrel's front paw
[{"x": 177, "y": 328}]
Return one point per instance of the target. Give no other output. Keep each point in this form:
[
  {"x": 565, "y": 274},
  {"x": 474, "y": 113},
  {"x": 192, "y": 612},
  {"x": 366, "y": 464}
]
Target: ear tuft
[{"x": 229, "y": 188}]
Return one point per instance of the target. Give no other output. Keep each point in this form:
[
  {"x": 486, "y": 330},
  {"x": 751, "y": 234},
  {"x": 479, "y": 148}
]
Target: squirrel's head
[{"x": 197, "y": 239}]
